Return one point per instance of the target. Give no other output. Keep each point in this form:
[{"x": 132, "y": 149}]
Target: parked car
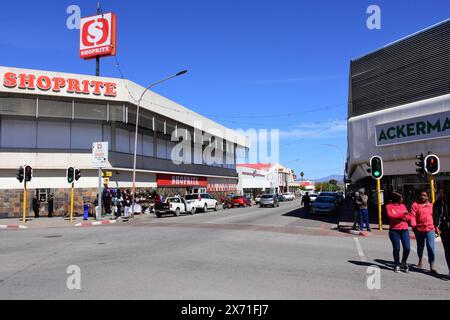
[
  {"x": 289, "y": 196},
  {"x": 313, "y": 197},
  {"x": 333, "y": 195},
  {"x": 269, "y": 200},
  {"x": 258, "y": 199},
  {"x": 324, "y": 204},
  {"x": 241, "y": 201},
  {"x": 202, "y": 201},
  {"x": 281, "y": 198},
  {"x": 175, "y": 206}
]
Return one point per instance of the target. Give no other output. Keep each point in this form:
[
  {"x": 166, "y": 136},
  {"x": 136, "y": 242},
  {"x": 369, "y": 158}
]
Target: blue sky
[{"x": 253, "y": 63}]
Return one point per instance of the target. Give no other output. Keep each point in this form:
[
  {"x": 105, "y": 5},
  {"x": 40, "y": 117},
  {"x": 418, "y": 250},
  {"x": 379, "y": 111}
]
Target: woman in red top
[
  {"x": 423, "y": 226},
  {"x": 399, "y": 230}
]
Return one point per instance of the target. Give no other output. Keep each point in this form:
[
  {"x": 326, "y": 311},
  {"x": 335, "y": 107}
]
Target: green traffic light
[{"x": 376, "y": 173}]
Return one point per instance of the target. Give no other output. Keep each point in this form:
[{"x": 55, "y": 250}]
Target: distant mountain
[{"x": 339, "y": 179}]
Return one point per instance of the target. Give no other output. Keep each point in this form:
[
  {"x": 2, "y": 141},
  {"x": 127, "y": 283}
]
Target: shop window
[
  {"x": 161, "y": 148},
  {"x": 90, "y": 111},
  {"x": 18, "y": 133},
  {"x": 84, "y": 134},
  {"x": 148, "y": 146},
  {"x": 43, "y": 194},
  {"x": 116, "y": 112},
  {"x": 53, "y": 135},
  {"x": 122, "y": 141},
  {"x": 18, "y": 106},
  {"x": 55, "y": 108},
  {"x": 139, "y": 143}
]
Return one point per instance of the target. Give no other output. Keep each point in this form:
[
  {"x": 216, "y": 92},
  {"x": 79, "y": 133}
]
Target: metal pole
[
  {"x": 133, "y": 192},
  {"x": 99, "y": 215},
  {"x": 71, "y": 202},
  {"x": 433, "y": 191},
  {"x": 97, "y": 59},
  {"x": 380, "y": 223},
  {"x": 24, "y": 214}
]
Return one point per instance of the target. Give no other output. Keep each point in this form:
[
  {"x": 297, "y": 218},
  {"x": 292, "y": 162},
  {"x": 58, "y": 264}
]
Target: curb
[
  {"x": 95, "y": 223},
  {"x": 12, "y": 226}
]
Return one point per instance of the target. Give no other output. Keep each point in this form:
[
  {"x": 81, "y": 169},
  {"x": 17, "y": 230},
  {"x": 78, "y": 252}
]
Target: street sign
[
  {"x": 99, "y": 154},
  {"x": 107, "y": 174}
]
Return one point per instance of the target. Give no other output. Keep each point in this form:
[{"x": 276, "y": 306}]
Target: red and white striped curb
[
  {"x": 12, "y": 226},
  {"x": 95, "y": 223}
]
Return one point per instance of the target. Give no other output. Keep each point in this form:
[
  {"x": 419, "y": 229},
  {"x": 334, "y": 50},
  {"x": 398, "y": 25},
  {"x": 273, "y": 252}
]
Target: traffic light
[
  {"x": 432, "y": 164},
  {"x": 70, "y": 174},
  {"x": 20, "y": 174},
  {"x": 420, "y": 165},
  {"x": 28, "y": 173},
  {"x": 77, "y": 174},
  {"x": 376, "y": 167}
]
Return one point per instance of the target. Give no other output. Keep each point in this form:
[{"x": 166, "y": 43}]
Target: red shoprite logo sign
[
  {"x": 168, "y": 180},
  {"x": 57, "y": 84},
  {"x": 98, "y": 36}
]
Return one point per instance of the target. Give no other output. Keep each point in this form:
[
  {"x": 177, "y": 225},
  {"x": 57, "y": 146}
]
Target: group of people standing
[
  {"x": 36, "y": 206},
  {"x": 117, "y": 202},
  {"x": 428, "y": 221}
]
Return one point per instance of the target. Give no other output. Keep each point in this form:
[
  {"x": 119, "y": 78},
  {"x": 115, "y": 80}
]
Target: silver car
[
  {"x": 324, "y": 205},
  {"x": 269, "y": 200}
]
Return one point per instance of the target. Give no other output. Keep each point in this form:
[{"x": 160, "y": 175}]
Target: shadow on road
[
  {"x": 389, "y": 265},
  {"x": 302, "y": 214}
]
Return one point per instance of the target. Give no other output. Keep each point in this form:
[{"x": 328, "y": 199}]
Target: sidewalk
[{"x": 45, "y": 222}]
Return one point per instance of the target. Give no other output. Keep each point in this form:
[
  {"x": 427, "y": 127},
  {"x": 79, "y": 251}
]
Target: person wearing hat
[{"x": 361, "y": 201}]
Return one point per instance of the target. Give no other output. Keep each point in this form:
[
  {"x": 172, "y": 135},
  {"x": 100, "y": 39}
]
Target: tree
[{"x": 333, "y": 182}]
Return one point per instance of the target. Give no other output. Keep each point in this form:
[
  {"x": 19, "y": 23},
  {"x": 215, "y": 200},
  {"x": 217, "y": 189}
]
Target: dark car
[{"x": 281, "y": 198}]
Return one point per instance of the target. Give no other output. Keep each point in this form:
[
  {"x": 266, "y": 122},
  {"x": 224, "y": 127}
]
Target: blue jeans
[
  {"x": 421, "y": 237},
  {"x": 396, "y": 237},
  {"x": 364, "y": 219}
]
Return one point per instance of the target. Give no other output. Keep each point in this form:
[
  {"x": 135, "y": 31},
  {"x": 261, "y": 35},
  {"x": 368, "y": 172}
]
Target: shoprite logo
[{"x": 422, "y": 128}]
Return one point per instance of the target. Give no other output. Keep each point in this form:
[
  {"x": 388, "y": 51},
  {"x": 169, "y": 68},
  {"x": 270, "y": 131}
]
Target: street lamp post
[{"x": 136, "y": 134}]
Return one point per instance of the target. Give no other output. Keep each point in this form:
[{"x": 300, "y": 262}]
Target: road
[{"x": 244, "y": 253}]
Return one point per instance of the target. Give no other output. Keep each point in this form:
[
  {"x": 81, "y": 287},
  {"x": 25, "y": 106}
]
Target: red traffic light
[
  {"x": 432, "y": 164},
  {"x": 28, "y": 173}
]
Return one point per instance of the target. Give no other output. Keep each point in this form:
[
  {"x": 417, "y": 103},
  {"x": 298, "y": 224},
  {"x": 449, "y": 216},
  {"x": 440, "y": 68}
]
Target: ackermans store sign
[{"x": 428, "y": 127}]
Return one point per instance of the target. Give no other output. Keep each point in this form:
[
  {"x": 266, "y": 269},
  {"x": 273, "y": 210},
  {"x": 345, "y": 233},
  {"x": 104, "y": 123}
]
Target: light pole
[{"x": 136, "y": 134}]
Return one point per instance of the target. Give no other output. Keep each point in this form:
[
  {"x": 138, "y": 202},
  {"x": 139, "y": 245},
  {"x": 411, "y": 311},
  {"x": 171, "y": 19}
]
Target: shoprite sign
[
  {"x": 169, "y": 180},
  {"x": 427, "y": 127}
]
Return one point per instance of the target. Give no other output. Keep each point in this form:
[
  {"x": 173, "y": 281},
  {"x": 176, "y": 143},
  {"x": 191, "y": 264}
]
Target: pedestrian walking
[
  {"x": 441, "y": 213},
  {"x": 127, "y": 203},
  {"x": 363, "y": 210},
  {"x": 355, "y": 208},
  {"x": 422, "y": 223},
  {"x": 399, "y": 230},
  {"x": 50, "y": 206},
  {"x": 36, "y": 207},
  {"x": 306, "y": 202}
]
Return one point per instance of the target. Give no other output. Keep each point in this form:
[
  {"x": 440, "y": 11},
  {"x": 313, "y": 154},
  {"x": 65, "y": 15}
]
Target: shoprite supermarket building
[
  {"x": 49, "y": 121},
  {"x": 399, "y": 107}
]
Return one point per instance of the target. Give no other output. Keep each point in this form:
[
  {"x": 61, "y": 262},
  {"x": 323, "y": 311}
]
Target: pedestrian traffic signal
[
  {"x": 376, "y": 167},
  {"x": 20, "y": 174},
  {"x": 432, "y": 164},
  {"x": 420, "y": 165},
  {"x": 28, "y": 173},
  {"x": 77, "y": 174},
  {"x": 70, "y": 174}
]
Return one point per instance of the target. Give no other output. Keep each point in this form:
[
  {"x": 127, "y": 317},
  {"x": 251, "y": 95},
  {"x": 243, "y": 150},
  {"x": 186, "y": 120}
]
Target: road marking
[{"x": 361, "y": 254}]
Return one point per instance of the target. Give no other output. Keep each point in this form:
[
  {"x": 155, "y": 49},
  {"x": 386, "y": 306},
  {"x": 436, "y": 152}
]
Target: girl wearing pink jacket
[{"x": 423, "y": 226}]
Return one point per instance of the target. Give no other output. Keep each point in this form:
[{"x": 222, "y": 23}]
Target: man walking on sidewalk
[{"x": 363, "y": 210}]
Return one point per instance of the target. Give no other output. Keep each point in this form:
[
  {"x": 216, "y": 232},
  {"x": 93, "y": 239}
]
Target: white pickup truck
[
  {"x": 175, "y": 206},
  {"x": 202, "y": 201}
]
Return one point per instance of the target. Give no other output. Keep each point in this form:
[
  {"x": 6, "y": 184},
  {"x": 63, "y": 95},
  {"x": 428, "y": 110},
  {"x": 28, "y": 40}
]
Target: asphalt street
[{"x": 242, "y": 253}]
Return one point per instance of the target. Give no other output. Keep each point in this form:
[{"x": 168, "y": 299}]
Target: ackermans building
[
  {"x": 49, "y": 121},
  {"x": 399, "y": 107}
]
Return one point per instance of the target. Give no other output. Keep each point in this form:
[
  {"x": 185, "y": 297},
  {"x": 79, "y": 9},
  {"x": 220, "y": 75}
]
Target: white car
[
  {"x": 174, "y": 205},
  {"x": 202, "y": 201},
  {"x": 289, "y": 196}
]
